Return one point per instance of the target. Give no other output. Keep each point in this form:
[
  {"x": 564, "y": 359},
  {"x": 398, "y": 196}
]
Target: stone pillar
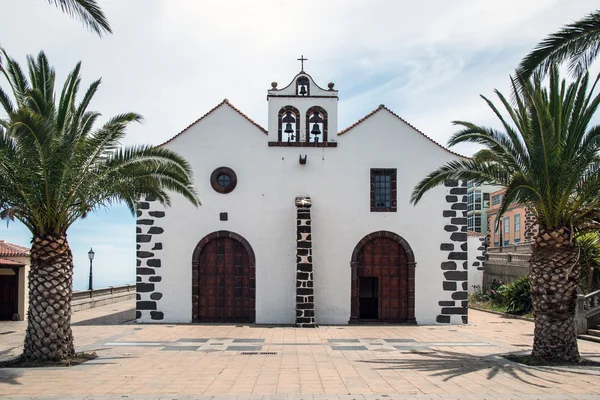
[
  {"x": 455, "y": 283},
  {"x": 305, "y": 298},
  {"x": 149, "y": 254}
]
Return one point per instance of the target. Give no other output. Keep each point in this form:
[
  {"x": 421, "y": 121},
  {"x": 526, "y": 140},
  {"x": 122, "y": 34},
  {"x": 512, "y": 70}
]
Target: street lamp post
[{"x": 91, "y": 256}]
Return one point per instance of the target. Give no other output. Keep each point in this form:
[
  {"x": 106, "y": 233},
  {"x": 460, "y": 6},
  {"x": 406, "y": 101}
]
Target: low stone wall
[
  {"x": 85, "y": 299},
  {"x": 506, "y": 264}
]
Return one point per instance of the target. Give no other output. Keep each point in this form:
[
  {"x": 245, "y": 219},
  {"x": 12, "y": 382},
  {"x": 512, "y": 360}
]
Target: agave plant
[
  {"x": 55, "y": 168},
  {"x": 518, "y": 296},
  {"x": 547, "y": 157}
]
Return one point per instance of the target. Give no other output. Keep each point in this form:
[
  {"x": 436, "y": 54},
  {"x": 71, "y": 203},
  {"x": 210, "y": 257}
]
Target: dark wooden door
[
  {"x": 8, "y": 296},
  {"x": 226, "y": 283},
  {"x": 386, "y": 260}
]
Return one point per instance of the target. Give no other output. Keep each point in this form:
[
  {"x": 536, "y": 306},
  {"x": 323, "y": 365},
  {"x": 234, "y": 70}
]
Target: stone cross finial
[{"x": 302, "y": 59}]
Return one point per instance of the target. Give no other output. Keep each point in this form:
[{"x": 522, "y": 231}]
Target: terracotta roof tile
[
  {"x": 383, "y": 107},
  {"x": 10, "y": 263},
  {"x": 12, "y": 250},
  {"x": 225, "y": 101}
]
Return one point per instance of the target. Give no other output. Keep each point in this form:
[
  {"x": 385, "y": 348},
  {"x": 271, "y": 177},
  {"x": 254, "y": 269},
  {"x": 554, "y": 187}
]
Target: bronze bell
[
  {"x": 302, "y": 90},
  {"x": 288, "y": 128},
  {"x": 315, "y": 130}
]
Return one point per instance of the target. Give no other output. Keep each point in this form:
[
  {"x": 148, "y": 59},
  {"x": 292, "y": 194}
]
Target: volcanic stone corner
[{"x": 305, "y": 307}]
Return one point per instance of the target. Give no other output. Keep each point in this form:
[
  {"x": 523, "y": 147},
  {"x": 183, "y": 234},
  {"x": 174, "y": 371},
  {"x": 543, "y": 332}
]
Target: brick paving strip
[{"x": 227, "y": 362}]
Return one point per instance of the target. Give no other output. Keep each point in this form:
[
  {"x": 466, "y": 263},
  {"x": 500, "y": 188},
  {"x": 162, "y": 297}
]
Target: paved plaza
[{"x": 236, "y": 362}]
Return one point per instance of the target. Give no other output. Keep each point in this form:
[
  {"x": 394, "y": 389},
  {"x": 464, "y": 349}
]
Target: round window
[{"x": 223, "y": 180}]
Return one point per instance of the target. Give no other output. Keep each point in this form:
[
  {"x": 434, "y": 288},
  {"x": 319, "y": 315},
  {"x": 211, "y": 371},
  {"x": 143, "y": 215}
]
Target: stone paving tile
[
  {"x": 179, "y": 348},
  {"x": 244, "y": 348},
  {"x": 348, "y": 347},
  {"x": 431, "y": 362}
]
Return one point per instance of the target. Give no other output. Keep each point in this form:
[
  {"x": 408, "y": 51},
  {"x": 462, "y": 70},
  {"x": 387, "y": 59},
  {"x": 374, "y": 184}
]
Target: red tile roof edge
[
  {"x": 473, "y": 233},
  {"x": 225, "y": 101},
  {"x": 383, "y": 107},
  {"x": 4, "y": 261},
  {"x": 12, "y": 250}
]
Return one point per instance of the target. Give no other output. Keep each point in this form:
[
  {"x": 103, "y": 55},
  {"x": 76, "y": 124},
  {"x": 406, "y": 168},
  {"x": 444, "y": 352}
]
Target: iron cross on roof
[{"x": 302, "y": 59}]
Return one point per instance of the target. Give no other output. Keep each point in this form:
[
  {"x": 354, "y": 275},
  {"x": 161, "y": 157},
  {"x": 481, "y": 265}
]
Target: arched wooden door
[
  {"x": 382, "y": 280},
  {"x": 225, "y": 281}
]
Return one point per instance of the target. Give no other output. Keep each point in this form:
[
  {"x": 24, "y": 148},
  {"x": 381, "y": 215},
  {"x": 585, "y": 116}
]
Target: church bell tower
[{"x": 302, "y": 114}]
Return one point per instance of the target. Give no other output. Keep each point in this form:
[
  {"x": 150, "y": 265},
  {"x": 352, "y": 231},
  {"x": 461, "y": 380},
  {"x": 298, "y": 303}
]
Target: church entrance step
[{"x": 589, "y": 338}]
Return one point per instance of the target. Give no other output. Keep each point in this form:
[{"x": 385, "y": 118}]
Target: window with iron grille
[{"x": 383, "y": 189}]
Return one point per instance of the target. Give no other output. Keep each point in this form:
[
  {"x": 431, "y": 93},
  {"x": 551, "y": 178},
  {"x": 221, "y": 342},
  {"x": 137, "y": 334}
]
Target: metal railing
[
  {"x": 589, "y": 303},
  {"x": 109, "y": 291}
]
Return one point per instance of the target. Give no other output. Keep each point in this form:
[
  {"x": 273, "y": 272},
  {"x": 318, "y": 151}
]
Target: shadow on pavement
[
  {"x": 118, "y": 318},
  {"x": 451, "y": 365},
  {"x": 9, "y": 377}
]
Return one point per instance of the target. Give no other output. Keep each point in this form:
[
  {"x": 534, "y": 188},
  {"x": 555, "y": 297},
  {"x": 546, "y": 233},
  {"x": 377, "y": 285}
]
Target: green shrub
[
  {"x": 518, "y": 297},
  {"x": 496, "y": 294}
]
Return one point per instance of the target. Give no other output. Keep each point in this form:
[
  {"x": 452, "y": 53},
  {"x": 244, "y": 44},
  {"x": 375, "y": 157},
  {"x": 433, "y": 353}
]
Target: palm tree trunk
[
  {"x": 554, "y": 278},
  {"x": 49, "y": 335}
]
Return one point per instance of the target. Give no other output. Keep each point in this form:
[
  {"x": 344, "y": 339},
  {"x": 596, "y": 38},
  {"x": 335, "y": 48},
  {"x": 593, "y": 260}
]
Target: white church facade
[{"x": 305, "y": 224}]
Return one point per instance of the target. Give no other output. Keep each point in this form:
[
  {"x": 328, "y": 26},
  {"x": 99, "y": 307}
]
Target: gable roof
[
  {"x": 12, "y": 250},
  {"x": 221, "y": 104},
  {"x": 383, "y": 107}
]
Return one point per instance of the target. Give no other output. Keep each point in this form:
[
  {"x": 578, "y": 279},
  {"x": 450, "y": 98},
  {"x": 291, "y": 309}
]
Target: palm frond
[
  {"x": 471, "y": 170},
  {"x": 55, "y": 167},
  {"x": 547, "y": 157},
  {"x": 87, "y": 11},
  {"x": 577, "y": 43}
]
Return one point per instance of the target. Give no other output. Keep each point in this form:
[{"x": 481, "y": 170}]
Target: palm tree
[
  {"x": 578, "y": 43},
  {"x": 55, "y": 168},
  {"x": 544, "y": 156},
  {"x": 87, "y": 11}
]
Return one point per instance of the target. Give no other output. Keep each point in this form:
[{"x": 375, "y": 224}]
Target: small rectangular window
[
  {"x": 383, "y": 189},
  {"x": 497, "y": 199},
  {"x": 506, "y": 230}
]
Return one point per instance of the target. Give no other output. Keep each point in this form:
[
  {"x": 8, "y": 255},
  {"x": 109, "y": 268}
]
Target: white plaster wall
[
  {"x": 475, "y": 276},
  {"x": 262, "y": 210}
]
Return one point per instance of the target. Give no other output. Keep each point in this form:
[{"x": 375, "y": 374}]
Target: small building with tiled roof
[
  {"x": 14, "y": 291},
  {"x": 302, "y": 223}
]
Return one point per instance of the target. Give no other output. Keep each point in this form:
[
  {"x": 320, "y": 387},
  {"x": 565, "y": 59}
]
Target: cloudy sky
[{"x": 172, "y": 61}]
